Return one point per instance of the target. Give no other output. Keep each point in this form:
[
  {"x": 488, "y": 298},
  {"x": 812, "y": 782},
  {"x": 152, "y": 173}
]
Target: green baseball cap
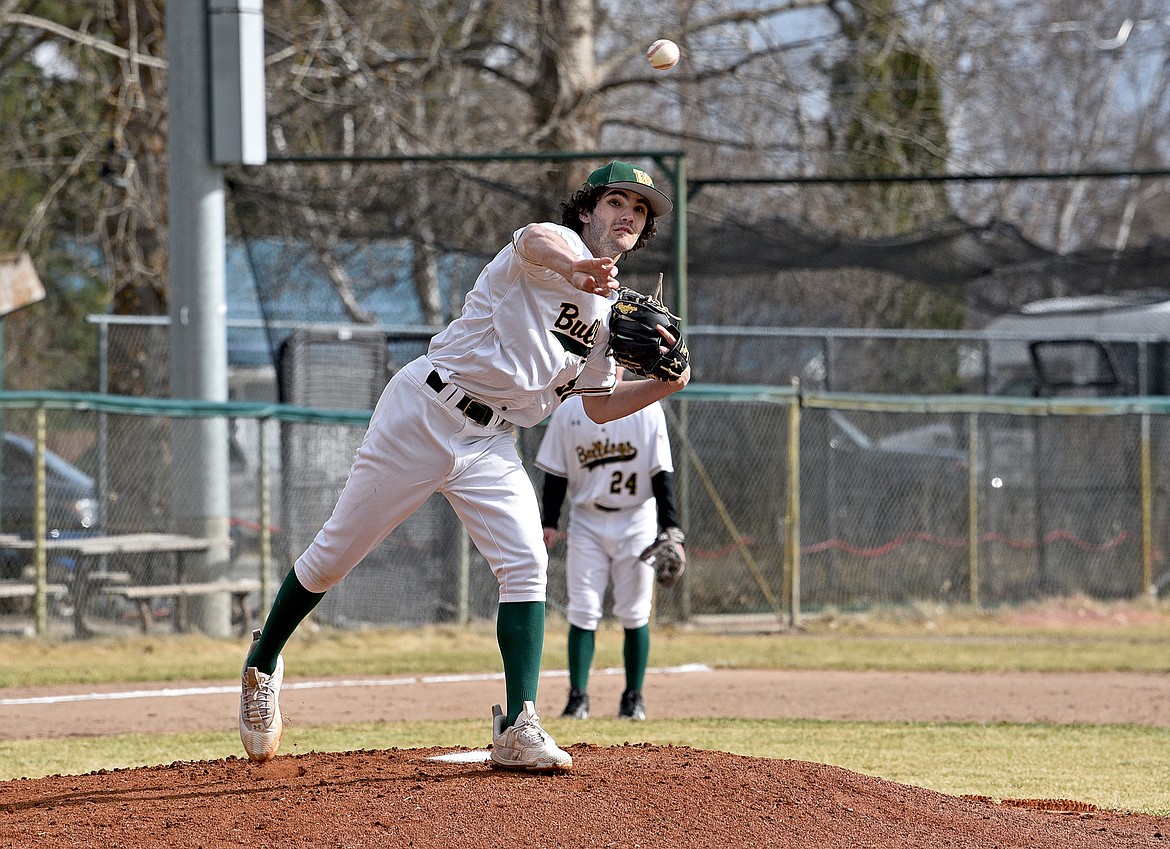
[{"x": 622, "y": 175}]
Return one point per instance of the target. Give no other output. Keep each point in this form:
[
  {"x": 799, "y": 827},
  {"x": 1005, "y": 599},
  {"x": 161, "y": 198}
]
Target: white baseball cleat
[
  {"x": 525, "y": 745},
  {"x": 261, "y": 725}
]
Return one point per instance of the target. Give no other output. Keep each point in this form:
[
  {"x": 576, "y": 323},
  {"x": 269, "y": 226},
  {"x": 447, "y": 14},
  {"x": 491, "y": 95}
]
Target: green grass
[
  {"x": 1112, "y": 766},
  {"x": 934, "y": 640}
]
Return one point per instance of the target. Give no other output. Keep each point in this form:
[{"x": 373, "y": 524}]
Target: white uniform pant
[
  {"x": 603, "y": 547},
  {"x": 418, "y": 444}
]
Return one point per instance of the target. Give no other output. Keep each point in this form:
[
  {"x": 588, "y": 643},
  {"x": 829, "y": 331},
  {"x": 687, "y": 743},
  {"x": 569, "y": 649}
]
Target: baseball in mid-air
[{"x": 663, "y": 54}]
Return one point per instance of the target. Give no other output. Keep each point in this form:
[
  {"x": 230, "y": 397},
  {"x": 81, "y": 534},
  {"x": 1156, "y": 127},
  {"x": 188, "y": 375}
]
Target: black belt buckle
[{"x": 477, "y": 411}]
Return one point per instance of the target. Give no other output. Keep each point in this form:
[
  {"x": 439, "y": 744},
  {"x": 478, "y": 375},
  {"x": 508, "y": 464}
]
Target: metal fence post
[
  {"x": 792, "y": 540},
  {"x": 973, "y": 506},
  {"x": 683, "y": 473},
  {"x": 463, "y": 602},
  {"x": 265, "y": 519},
  {"x": 41, "y": 530},
  {"x": 1147, "y": 510}
]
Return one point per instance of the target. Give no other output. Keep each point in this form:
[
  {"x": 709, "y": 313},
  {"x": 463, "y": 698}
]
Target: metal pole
[
  {"x": 1, "y": 421},
  {"x": 41, "y": 531},
  {"x": 1044, "y": 582},
  {"x": 1147, "y": 510},
  {"x": 680, "y": 237},
  {"x": 1143, "y": 368},
  {"x": 463, "y": 602},
  {"x": 200, "y": 491},
  {"x": 792, "y": 541},
  {"x": 682, "y": 470},
  {"x": 973, "y": 507},
  {"x": 830, "y": 352},
  {"x": 265, "y": 519},
  {"x": 986, "y": 346},
  {"x": 103, "y": 469},
  {"x": 681, "y": 287}
]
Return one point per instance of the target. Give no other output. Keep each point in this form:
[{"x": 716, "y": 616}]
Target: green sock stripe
[
  {"x": 293, "y": 603},
  {"x": 636, "y": 651},
  {"x": 581, "y": 645},
  {"x": 520, "y": 633}
]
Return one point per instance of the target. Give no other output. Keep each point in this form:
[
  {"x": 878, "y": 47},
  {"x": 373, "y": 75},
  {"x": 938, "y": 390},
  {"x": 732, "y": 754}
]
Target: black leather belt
[
  {"x": 477, "y": 411},
  {"x": 606, "y": 508}
]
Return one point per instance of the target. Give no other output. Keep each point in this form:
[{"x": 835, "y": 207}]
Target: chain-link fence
[{"x": 948, "y": 499}]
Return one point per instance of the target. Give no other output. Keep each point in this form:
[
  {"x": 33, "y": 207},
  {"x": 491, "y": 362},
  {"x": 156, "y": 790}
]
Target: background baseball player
[
  {"x": 533, "y": 331},
  {"x": 618, "y": 476}
]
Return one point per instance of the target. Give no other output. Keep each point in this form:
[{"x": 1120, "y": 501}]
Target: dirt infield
[
  {"x": 1086, "y": 697},
  {"x": 629, "y": 796},
  {"x": 626, "y": 796}
]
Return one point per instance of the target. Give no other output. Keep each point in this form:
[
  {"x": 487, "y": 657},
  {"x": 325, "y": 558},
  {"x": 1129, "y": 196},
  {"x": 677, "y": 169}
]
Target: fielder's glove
[
  {"x": 635, "y": 342},
  {"x": 666, "y": 556}
]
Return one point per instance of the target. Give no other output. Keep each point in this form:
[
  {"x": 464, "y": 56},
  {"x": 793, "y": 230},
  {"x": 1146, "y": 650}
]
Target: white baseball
[{"x": 663, "y": 54}]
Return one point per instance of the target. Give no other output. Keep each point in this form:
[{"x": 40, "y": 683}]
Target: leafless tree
[{"x": 1022, "y": 85}]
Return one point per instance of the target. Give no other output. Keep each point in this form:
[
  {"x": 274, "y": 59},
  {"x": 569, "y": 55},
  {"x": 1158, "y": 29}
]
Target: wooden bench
[
  {"x": 26, "y": 586},
  {"x": 143, "y": 594},
  {"x": 28, "y": 589}
]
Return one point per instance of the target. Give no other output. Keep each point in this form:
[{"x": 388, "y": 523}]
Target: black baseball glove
[
  {"x": 635, "y": 342},
  {"x": 666, "y": 556}
]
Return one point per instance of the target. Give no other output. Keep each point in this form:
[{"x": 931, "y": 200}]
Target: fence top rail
[
  {"x": 176, "y": 407},
  {"x": 996, "y": 405},
  {"x": 343, "y": 329},
  {"x": 426, "y": 331},
  {"x": 90, "y": 546},
  {"x": 737, "y": 392},
  {"x": 104, "y": 403},
  {"x": 921, "y": 334}
]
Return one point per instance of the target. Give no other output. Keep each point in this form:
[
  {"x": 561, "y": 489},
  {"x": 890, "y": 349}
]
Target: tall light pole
[{"x": 213, "y": 55}]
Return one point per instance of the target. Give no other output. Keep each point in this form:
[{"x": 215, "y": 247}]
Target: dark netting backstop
[{"x": 399, "y": 243}]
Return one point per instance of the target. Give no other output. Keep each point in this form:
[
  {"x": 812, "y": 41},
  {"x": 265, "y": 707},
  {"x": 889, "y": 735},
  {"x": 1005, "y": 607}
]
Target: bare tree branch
[{"x": 34, "y": 22}]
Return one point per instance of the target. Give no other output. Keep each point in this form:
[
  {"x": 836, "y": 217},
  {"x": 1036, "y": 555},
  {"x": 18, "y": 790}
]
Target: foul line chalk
[
  {"x": 176, "y": 692},
  {"x": 472, "y": 757}
]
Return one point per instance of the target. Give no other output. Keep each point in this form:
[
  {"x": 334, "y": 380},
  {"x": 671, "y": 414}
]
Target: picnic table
[{"x": 89, "y": 577}]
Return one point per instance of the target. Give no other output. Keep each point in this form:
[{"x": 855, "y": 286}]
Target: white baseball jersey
[
  {"x": 526, "y": 340},
  {"x": 609, "y": 464},
  {"x": 613, "y": 514}
]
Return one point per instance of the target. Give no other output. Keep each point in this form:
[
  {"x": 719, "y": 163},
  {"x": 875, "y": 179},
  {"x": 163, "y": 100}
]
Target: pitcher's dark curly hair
[{"x": 585, "y": 199}]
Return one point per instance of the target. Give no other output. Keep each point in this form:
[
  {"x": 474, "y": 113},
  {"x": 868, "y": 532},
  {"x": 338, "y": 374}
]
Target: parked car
[
  {"x": 71, "y": 504},
  {"x": 873, "y": 489},
  {"x": 1093, "y": 346},
  {"x": 70, "y": 494}
]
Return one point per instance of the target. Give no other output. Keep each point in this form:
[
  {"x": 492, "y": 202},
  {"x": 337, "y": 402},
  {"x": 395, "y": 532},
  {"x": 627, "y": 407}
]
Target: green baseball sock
[
  {"x": 520, "y": 633},
  {"x": 293, "y": 603},
  {"x": 636, "y": 652},
  {"x": 581, "y": 644}
]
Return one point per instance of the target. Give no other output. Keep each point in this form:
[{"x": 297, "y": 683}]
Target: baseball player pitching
[
  {"x": 618, "y": 477},
  {"x": 533, "y": 332}
]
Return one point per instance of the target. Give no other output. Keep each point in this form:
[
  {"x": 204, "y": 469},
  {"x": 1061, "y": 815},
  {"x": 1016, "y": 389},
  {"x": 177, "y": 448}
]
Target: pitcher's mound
[{"x": 626, "y": 796}]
